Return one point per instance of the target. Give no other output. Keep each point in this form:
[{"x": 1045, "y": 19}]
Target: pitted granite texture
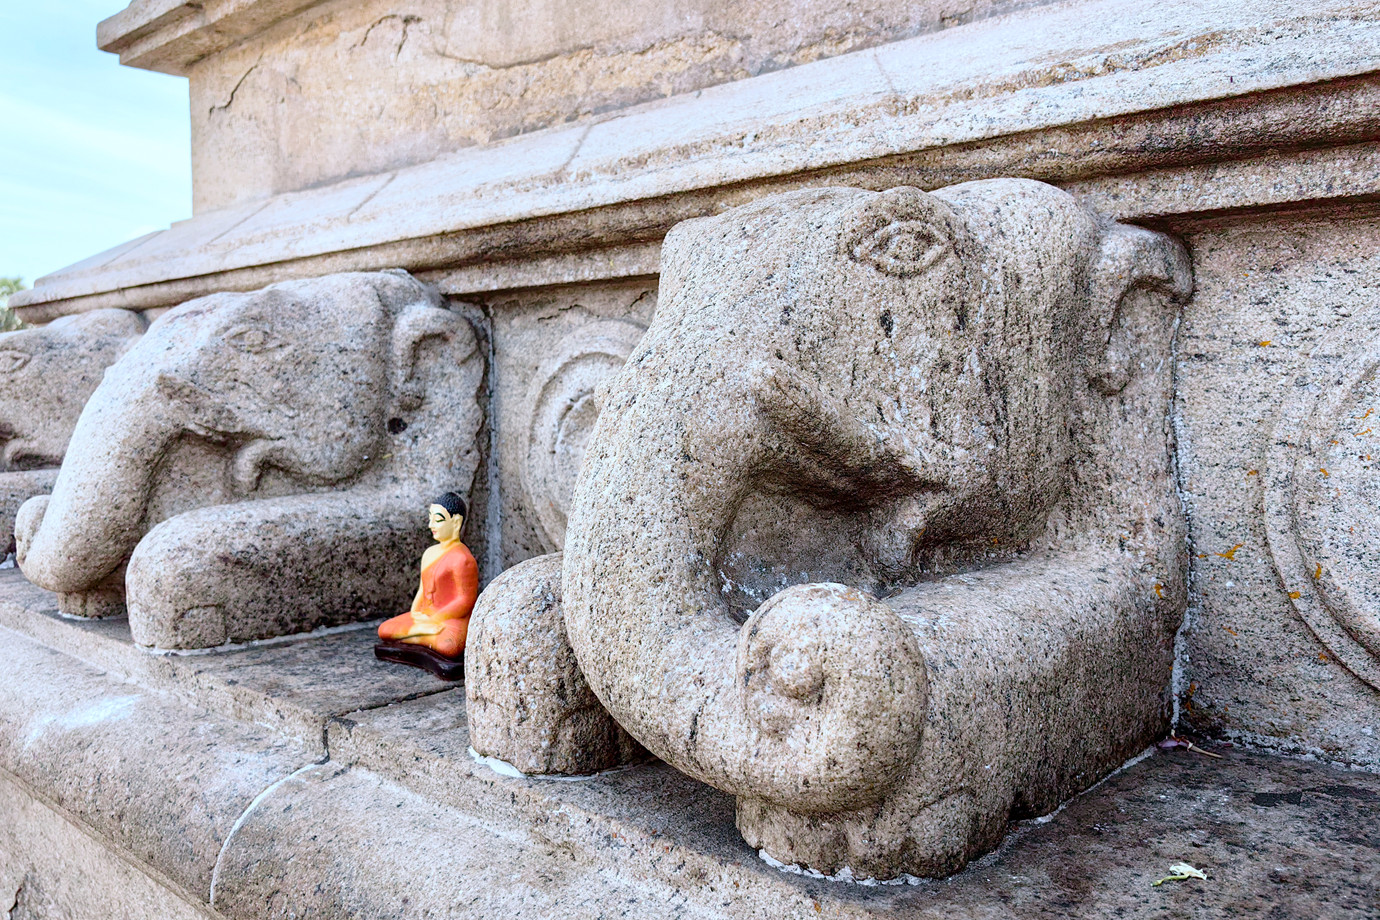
[
  {"x": 340, "y": 834},
  {"x": 1276, "y": 450},
  {"x": 527, "y": 702},
  {"x": 156, "y": 778},
  {"x": 46, "y": 376},
  {"x": 275, "y": 684},
  {"x": 49, "y": 867},
  {"x": 260, "y": 464},
  {"x": 878, "y": 528}
]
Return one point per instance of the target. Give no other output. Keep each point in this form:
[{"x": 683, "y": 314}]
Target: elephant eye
[
  {"x": 11, "y": 360},
  {"x": 906, "y": 247},
  {"x": 253, "y": 339}
]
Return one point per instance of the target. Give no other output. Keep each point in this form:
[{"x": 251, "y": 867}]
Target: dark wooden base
[{"x": 419, "y": 656}]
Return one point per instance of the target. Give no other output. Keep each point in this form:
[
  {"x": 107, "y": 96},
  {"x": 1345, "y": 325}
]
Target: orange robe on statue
[{"x": 450, "y": 586}]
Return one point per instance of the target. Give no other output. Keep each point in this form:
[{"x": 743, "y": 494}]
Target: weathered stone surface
[
  {"x": 1276, "y": 837},
  {"x": 1156, "y": 118},
  {"x": 551, "y": 350},
  {"x": 50, "y": 869},
  {"x": 1272, "y": 420},
  {"x": 1221, "y": 121},
  {"x": 333, "y": 842},
  {"x": 154, "y": 777},
  {"x": 1321, "y": 512},
  {"x": 528, "y": 703},
  {"x": 276, "y": 684},
  {"x": 956, "y": 402},
  {"x": 263, "y": 461},
  {"x": 46, "y": 376},
  {"x": 437, "y": 75}
]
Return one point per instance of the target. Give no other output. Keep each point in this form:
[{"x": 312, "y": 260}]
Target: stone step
[
  {"x": 303, "y": 777},
  {"x": 293, "y": 685}
]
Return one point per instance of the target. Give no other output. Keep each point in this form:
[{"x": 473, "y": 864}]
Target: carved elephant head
[
  {"x": 356, "y": 383},
  {"x": 846, "y": 394},
  {"x": 46, "y": 376}
]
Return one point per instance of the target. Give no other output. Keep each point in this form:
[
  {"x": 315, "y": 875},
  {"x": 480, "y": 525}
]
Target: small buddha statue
[{"x": 432, "y": 634}]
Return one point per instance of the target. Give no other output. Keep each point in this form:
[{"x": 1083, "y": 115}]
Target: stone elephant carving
[
  {"x": 259, "y": 464},
  {"x": 46, "y": 376},
  {"x": 560, "y": 410},
  {"x": 877, "y": 529},
  {"x": 527, "y": 701}
]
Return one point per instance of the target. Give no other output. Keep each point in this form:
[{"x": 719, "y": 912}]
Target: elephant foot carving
[
  {"x": 104, "y": 601},
  {"x": 527, "y": 701},
  {"x": 253, "y": 466},
  {"x": 924, "y": 436},
  {"x": 15, "y": 490}
]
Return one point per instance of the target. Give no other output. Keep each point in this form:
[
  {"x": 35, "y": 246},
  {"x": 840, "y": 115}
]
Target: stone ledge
[
  {"x": 35, "y": 885},
  {"x": 178, "y": 783},
  {"x": 161, "y": 780},
  {"x": 171, "y": 35},
  {"x": 1027, "y": 94},
  {"x": 277, "y": 684}
]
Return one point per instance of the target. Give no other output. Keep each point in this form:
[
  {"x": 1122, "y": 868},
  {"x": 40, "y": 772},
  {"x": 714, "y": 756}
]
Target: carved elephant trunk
[
  {"x": 254, "y": 465},
  {"x": 816, "y": 702},
  {"x": 871, "y": 444},
  {"x": 808, "y": 725},
  {"x": 74, "y": 539}
]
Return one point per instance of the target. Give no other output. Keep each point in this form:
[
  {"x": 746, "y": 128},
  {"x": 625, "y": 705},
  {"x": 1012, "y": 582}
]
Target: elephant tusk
[{"x": 249, "y": 464}]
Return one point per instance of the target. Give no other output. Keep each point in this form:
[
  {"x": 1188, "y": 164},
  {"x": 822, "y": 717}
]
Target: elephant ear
[
  {"x": 420, "y": 325},
  {"x": 1130, "y": 260}
]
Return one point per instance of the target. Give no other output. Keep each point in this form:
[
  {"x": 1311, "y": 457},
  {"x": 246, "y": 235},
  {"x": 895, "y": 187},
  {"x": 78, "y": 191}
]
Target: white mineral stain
[
  {"x": 109, "y": 709},
  {"x": 844, "y": 875},
  {"x": 504, "y": 768}
]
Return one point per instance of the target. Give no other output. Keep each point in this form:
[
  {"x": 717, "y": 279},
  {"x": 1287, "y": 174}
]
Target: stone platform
[{"x": 303, "y": 778}]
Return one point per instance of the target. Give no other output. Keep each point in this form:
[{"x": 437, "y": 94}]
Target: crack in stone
[
  {"x": 325, "y": 758},
  {"x": 370, "y": 197},
  {"x": 407, "y": 19},
  {"x": 244, "y": 816},
  {"x": 876, "y": 59},
  {"x": 18, "y": 893},
  {"x": 237, "y": 223},
  {"x": 579, "y": 144},
  {"x": 229, "y": 102}
]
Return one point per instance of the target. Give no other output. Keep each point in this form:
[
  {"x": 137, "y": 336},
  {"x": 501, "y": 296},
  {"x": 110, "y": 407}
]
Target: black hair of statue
[{"x": 453, "y": 504}]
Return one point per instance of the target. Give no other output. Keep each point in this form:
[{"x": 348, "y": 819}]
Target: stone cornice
[
  {"x": 170, "y": 36},
  {"x": 1106, "y": 111}
]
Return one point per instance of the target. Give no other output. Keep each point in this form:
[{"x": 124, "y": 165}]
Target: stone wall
[
  {"x": 1214, "y": 122},
  {"x": 529, "y": 168},
  {"x": 1270, "y": 291},
  {"x": 345, "y": 88}
]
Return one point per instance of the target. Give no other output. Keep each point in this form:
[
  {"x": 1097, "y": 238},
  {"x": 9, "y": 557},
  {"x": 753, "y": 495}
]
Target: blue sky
[{"x": 91, "y": 153}]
